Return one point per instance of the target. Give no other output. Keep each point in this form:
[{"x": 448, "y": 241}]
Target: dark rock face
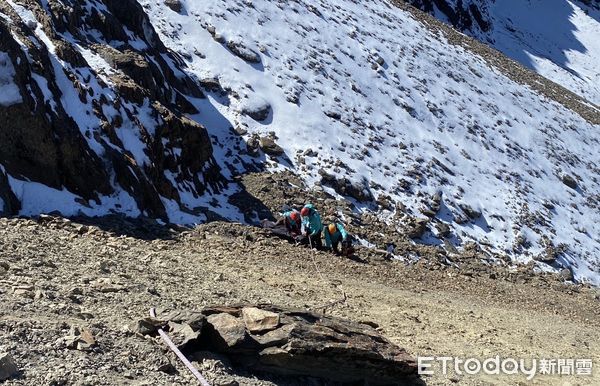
[
  {"x": 41, "y": 143},
  {"x": 95, "y": 132},
  {"x": 467, "y": 15},
  {"x": 293, "y": 342},
  {"x": 9, "y": 204},
  {"x": 591, "y": 3}
]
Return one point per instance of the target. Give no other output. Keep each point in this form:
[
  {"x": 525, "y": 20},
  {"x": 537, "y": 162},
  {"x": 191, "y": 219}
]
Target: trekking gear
[{"x": 165, "y": 337}]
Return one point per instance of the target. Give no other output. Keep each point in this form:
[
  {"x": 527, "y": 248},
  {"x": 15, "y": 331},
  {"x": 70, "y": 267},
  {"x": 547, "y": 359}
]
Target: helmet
[
  {"x": 305, "y": 211},
  {"x": 332, "y": 228},
  {"x": 295, "y": 216}
]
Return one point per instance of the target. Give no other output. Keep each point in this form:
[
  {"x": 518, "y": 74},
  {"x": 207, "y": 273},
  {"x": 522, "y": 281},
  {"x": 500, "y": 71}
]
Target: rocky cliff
[
  {"x": 97, "y": 109},
  {"x": 466, "y": 15}
]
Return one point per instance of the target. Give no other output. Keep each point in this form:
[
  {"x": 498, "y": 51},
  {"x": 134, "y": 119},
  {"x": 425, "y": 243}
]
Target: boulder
[
  {"x": 443, "y": 229},
  {"x": 269, "y": 146},
  {"x": 257, "y": 320},
  {"x": 240, "y": 50},
  {"x": 276, "y": 337},
  {"x": 257, "y": 109},
  {"x": 79, "y": 339},
  {"x": 253, "y": 146},
  {"x": 175, "y": 5},
  {"x": 566, "y": 274},
  {"x": 295, "y": 342},
  {"x": 569, "y": 181},
  {"x": 385, "y": 202},
  {"x": 146, "y": 326},
  {"x": 184, "y": 327},
  {"x": 211, "y": 84},
  {"x": 416, "y": 227},
  {"x": 182, "y": 334},
  {"x": 358, "y": 190},
  {"x": 227, "y": 330},
  {"x": 473, "y": 214},
  {"x": 8, "y": 367}
]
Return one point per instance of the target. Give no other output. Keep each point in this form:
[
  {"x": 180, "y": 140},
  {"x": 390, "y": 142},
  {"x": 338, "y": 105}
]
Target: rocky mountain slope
[
  {"x": 71, "y": 295},
  {"x": 365, "y": 111},
  {"x": 95, "y": 116},
  {"x": 557, "y": 39},
  {"x": 156, "y": 108}
]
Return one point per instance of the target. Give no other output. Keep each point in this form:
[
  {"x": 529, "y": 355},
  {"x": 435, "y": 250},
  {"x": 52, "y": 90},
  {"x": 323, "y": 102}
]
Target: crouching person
[
  {"x": 292, "y": 222},
  {"x": 337, "y": 239},
  {"x": 312, "y": 225}
]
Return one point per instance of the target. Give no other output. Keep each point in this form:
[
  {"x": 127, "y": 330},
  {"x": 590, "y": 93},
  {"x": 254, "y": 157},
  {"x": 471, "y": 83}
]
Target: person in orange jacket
[{"x": 335, "y": 236}]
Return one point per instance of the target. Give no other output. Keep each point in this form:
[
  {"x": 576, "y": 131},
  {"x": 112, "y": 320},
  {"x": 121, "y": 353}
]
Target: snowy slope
[
  {"x": 556, "y": 38},
  {"x": 10, "y": 92},
  {"x": 356, "y": 90},
  {"x": 383, "y": 100}
]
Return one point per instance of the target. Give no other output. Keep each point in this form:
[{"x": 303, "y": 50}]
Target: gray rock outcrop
[
  {"x": 98, "y": 131},
  {"x": 296, "y": 343}
]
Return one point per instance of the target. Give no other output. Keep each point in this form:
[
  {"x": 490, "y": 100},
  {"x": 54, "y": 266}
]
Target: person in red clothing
[{"x": 292, "y": 222}]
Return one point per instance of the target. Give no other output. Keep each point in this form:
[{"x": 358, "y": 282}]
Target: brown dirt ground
[{"x": 91, "y": 277}]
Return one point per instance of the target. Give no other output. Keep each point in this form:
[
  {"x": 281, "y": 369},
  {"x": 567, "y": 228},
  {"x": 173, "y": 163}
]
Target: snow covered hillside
[
  {"x": 360, "y": 98},
  {"x": 366, "y": 92},
  {"x": 556, "y": 38}
]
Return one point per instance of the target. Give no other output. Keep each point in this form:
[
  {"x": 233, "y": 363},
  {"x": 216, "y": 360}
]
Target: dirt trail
[{"x": 76, "y": 275}]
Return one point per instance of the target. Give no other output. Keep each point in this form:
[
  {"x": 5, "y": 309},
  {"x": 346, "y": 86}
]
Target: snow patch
[
  {"x": 29, "y": 194},
  {"x": 10, "y": 93}
]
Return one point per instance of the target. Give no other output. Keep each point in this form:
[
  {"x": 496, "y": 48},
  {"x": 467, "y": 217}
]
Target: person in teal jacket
[
  {"x": 312, "y": 225},
  {"x": 334, "y": 235}
]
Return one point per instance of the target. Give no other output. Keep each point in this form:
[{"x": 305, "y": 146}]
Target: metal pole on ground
[{"x": 179, "y": 354}]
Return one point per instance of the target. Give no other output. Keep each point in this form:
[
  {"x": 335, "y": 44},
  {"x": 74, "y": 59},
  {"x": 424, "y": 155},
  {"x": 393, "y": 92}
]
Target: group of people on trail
[{"x": 306, "y": 225}]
